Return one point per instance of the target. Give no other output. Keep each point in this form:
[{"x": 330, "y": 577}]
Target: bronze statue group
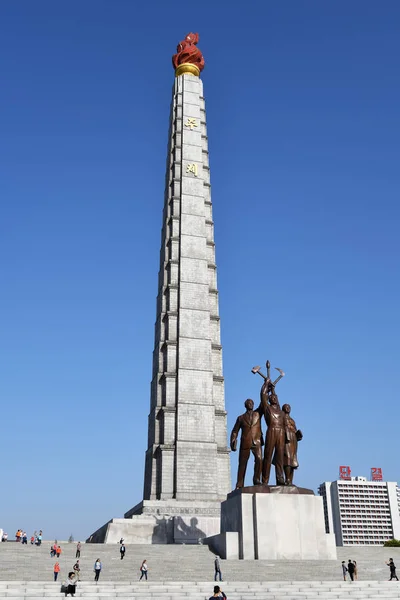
[{"x": 282, "y": 436}]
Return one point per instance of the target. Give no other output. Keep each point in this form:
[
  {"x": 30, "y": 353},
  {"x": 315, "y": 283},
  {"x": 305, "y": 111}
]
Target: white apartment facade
[{"x": 361, "y": 512}]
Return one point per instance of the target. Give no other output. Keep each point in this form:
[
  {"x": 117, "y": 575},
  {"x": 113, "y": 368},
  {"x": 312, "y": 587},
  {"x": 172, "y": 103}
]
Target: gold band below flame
[{"x": 187, "y": 68}]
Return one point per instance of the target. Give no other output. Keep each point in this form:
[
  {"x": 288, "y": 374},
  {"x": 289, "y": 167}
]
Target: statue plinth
[
  {"x": 271, "y": 489},
  {"x": 273, "y": 523}
]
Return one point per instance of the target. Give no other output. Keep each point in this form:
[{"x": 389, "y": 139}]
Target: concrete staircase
[
  {"x": 295, "y": 590},
  {"x": 178, "y": 572}
]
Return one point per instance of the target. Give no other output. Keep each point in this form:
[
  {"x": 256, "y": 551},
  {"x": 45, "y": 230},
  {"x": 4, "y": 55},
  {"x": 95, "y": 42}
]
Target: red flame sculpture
[{"x": 187, "y": 52}]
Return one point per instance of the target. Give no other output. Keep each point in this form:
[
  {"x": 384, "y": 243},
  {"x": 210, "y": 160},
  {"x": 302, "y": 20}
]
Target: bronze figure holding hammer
[{"x": 276, "y": 424}]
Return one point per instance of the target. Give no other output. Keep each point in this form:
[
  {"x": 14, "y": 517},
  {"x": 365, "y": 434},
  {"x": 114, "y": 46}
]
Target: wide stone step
[{"x": 295, "y": 590}]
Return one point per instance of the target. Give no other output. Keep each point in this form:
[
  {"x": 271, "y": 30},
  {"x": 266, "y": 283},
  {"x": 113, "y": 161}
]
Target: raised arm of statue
[
  {"x": 234, "y": 434},
  {"x": 266, "y": 387}
]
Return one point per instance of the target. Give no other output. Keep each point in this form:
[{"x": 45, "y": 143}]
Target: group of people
[
  {"x": 21, "y": 536},
  {"x": 351, "y": 569},
  {"x": 143, "y": 567},
  {"x": 69, "y": 586},
  {"x": 55, "y": 550},
  {"x": 74, "y": 575}
]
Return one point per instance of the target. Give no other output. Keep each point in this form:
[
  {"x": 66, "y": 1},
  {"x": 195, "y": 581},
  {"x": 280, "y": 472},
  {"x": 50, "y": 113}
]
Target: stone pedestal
[
  {"x": 162, "y": 522},
  {"x": 273, "y": 523}
]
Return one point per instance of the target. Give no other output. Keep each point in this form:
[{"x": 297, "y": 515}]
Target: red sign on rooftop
[
  {"x": 376, "y": 474},
  {"x": 344, "y": 472}
]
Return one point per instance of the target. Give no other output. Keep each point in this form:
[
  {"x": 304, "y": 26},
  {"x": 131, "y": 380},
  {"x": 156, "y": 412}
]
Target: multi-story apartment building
[{"x": 361, "y": 512}]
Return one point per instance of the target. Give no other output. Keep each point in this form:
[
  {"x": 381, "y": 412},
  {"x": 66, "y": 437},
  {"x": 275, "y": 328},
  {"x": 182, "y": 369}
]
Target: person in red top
[
  {"x": 56, "y": 570},
  {"x": 58, "y": 551}
]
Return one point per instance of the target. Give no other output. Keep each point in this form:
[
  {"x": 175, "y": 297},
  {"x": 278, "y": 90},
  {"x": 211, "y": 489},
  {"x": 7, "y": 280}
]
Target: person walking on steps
[
  {"x": 351, "y": 569},
  {"x": 122, "y": 551},
  {"x": 392, "y": 568},
  {"x": 218, "y": 593},
  {"x": 143, "y": 569},
  {"x": 97, "y": 570},
  {"x": 70, "y": 585},
  {"x": 56, "y": 570},
  {"x": 217, "y": 568},
  {"x": 344, "y": 569},
  {"x": 78, "y": 550},
  {"x": 77, "y": 570}
]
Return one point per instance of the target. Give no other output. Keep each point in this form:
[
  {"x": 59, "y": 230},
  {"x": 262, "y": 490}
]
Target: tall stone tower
[
  {"x": 187, "y": 456},
  {"x": 187, "y": 466}
]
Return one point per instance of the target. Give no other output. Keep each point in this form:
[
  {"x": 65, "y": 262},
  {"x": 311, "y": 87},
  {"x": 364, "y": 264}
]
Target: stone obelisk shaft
[{"x": 187, "y": 456}]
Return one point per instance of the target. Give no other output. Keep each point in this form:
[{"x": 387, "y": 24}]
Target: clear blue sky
[{"x": 304, "y": 129}]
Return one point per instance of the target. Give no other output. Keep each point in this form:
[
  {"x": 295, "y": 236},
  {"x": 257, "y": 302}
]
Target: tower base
[{"x": 162, "y": 522}]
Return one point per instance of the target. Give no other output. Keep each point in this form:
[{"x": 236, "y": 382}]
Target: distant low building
[{"x": 361, "y": 512}]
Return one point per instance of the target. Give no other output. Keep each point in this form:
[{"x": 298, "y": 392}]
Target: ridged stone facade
[
  {"x": 187, "y": 457},
  {"x": 187, "y": 467}
]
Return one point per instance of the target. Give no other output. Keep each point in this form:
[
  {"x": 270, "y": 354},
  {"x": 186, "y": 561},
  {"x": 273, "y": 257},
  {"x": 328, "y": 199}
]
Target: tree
[{"x": 392, "y": 543}]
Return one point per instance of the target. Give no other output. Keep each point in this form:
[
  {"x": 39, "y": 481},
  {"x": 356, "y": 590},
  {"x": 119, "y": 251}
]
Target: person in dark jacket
[
  {"x": 218, "y": 593},
  {"x": 351, "y": 568},
  {"x": 392, "y": 568},
  {"x": 122, "y": 551}
]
